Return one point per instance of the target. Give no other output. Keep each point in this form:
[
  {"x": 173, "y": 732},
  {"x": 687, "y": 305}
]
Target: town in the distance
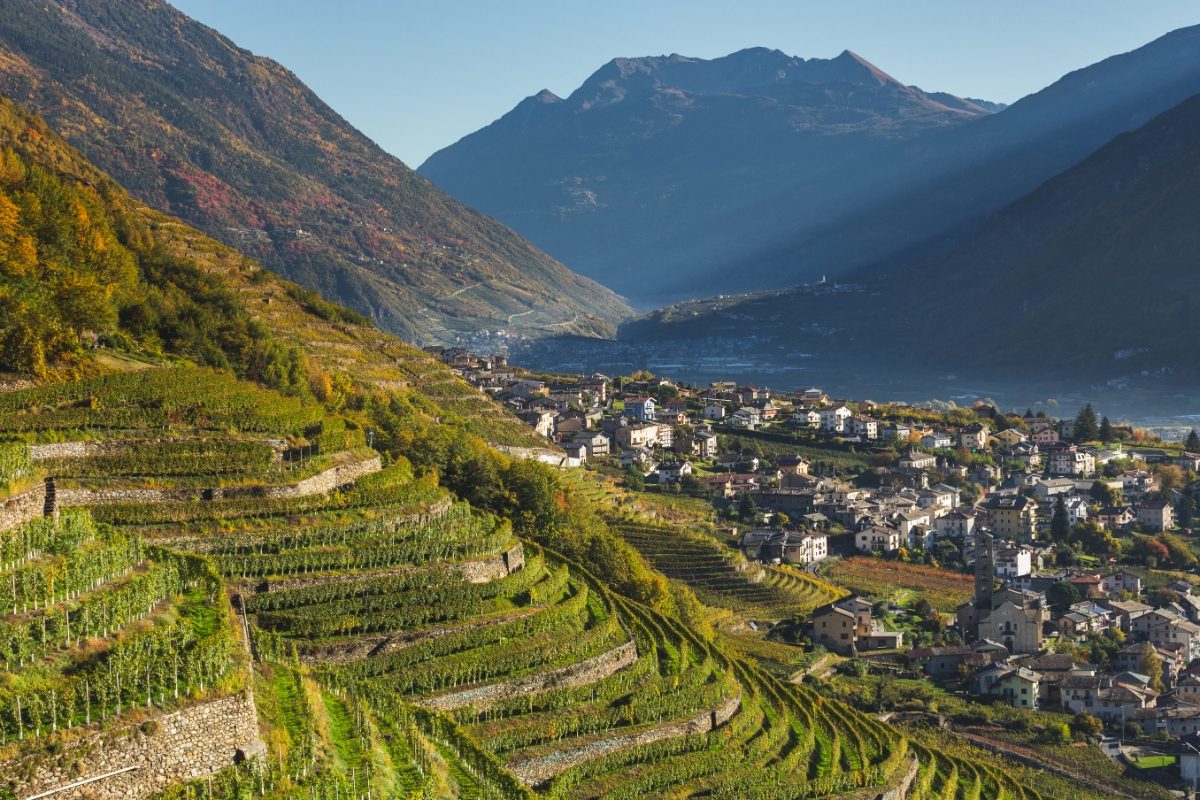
[{"x": 1036, "y": 562}]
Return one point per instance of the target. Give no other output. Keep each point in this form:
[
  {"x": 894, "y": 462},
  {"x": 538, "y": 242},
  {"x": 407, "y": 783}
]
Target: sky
[{"x": 417, "y": 76}]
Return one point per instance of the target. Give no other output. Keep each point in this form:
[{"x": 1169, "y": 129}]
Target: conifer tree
[
  {"x": 1107, "y": 434},
  {"x": 1086, "y": 427}
]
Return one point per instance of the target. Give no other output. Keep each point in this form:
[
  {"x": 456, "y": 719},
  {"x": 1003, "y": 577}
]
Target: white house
[{"x": 833, "y": 420}]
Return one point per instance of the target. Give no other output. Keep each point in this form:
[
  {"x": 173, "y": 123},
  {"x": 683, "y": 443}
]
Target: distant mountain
[
  {"x": 1092, "y": 277},
  {"x": 1097, "y": 269},
  {"x": 672, "y": 178},
  {"x": 237, "y": 146},
  {"x": 657, "y": 171}
]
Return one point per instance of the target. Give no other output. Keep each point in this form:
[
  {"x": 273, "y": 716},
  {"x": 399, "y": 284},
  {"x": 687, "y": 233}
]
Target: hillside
[
  {"x": 656, "y": 171},
  {"x": 238, "y": 147},
  {"x": 1102, "y": 259},
  {"x": 674, "y": 178},
  {"x": 1088, "y": 279}
]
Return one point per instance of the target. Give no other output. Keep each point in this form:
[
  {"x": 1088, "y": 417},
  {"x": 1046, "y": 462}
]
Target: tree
[
  {"x": 1085, "y": 724},
  {"x": 747, "y": 508},
  {"x": 1150, "y": 665},
  {"x": 1056, "y": 733},
  {"x": 1192, "y": 444},
  {"x": 1186, "y": 512},
  {"x": 1107, "y": 433},
  {"x": 1105, "y": 495},
  {"x": 1060, "y": 523},
  {"x": 1162, "y": 597},
  {"x": 1062, "y": 595},
  {"x": 1086, "y": 428}
]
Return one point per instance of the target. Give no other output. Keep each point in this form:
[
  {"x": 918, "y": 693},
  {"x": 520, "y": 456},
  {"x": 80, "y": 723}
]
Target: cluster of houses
[{"x": 1010, "y": 634}]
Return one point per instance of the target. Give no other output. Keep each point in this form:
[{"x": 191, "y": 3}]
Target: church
[{"x": 1011, "y": 617}]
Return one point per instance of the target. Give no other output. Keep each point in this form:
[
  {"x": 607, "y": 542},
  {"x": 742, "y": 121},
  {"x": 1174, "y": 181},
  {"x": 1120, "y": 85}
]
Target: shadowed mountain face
[
  {"x": 237, "y": 146},
  {"x": 672, "y": 177},
  {"x": 656, "y": 172},
  {"x": 1092, "y": 277}
]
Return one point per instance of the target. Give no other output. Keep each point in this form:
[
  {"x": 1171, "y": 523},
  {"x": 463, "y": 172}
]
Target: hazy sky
[{"x": 417, "y": 76}]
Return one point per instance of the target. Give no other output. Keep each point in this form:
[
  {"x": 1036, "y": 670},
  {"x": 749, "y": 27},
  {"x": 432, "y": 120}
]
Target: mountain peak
[
  {"x": 547, "y": 97},
  {"x": 855, "y": 66}
]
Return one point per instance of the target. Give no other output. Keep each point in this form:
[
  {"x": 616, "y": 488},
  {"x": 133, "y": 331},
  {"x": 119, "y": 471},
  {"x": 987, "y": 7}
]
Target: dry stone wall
[
  {"x": 538, "y": 770},
  {"x": 321, "y": 483},
  {"x": 20, "y": 508},
  {"x": 182, "y": 745},
  {"x": 585, "y": 672}
]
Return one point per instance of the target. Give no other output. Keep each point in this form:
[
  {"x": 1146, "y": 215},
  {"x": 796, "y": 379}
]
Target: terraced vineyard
[
  {"x": 398, "y": 641},
  {"x": 721, "y": 577}
]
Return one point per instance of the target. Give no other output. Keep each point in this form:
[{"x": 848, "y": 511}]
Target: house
[
  {"x": 1018, "y": 686},
  {"x": 704, "y": 445},
  {"x": 1011, "y": 517},
  {"x": 1045, "y": 436},
  {"x": 793, "y": 465},
  {"x": 939, "y": 662},
  {"x": 1089, "y": 586},
  {"x": 834, "y": 629},
  {"x": 808, "y": 417},
  {"x": 958, "y": 524},
  {"x": 1101, "y": 696},
  {"x": 640, "y": 408},
  {"x": 1126, "y": 611},
  {"x": 714, "y": 412},
  {"x": 916, "y": 460},
  {"x": 1122, "y": 580},
  {"x": 731, "y": 485},
  {"x": 541, "y": 421},
  {"x": 833, "y": 420},
  {"x": 847, "y": 627},
  {"x": 632, "y": 437},
  {"x": 863, "y": 426},
  {"x": 596, "y": 442},
  {"x": 937, "y": 440},
  {"x": 973, "y": 436},
  {"x": 1155, "y": 516},
  {"x": 1013, "y": 560},
  {"x": 813, "y": 397},
  {"x": 896, "y": 431},
  {"x": 877, "y": 539},
  {"x": 747, "y": 417},
  {"x": 673, "y": 471},
  {"x": 792, "y": 547},
  {"x": 639, "y": 457},
  {"x": 1010, "y": 437},
  {"x": 1115, "y": 518},
  {"x": 1053, "y": 487},
  {"x": 1069, "y": 459},
  {"x": 1187, "y": 461},
  {"x": 1136, "y": 482},
  {"x": 576, "y": 453}
]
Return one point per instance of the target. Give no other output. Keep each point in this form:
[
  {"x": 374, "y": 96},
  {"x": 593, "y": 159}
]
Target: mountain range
[
  {"x": 1092, "y": 277},
  {"x": 670, "y": 178},
  {"x": 236, "y": 145},
  {"x": 656, "y": 172}
]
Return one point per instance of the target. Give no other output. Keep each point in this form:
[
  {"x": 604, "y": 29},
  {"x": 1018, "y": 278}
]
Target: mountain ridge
[
  {"x": 644, "y": 170},
  {"x": 237, "y": 145},
  {"x": 698, "y": 195}
]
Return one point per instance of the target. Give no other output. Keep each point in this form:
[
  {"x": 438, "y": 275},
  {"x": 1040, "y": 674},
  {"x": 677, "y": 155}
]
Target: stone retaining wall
[
  {"x": 20, "y": 508},
  {"x": 538, "y": 770},
  {"x": 585, "y": 672},
  {"x": 367, "y": 646},
  {"x": 900, "y": 790},
  {"x": 190, "y": 743},
  {"x": 321, "y": 483}
]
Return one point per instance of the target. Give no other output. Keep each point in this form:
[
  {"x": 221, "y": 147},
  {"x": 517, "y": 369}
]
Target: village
[{"x": 1076, "y": 531}]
